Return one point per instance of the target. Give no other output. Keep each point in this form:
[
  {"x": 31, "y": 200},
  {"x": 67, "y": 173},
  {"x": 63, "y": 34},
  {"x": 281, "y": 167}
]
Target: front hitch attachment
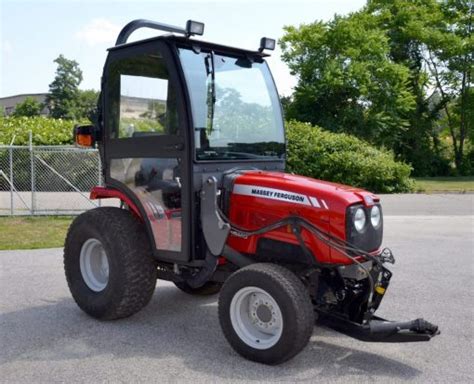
[{"x": 381, "y": 330}]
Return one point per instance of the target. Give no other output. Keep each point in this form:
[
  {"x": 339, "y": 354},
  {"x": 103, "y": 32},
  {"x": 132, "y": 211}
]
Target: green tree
[
  {"x": 29, "y": 107},
  {"x": 450, "y": 59},
  {"x": 433, "y": 39},
  {"x": 404, "y": 22},
  {"x": 286, "y": 102},
  {"x": 64, "y": 91},
  {"x": 86, "y": 107},
  {"x": 398, "y": 73},
  {"x": 346, "y": 80}
]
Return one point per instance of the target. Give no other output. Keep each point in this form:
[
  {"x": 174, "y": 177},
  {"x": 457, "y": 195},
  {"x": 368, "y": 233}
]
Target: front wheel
[{"x": 266, "y": 313}]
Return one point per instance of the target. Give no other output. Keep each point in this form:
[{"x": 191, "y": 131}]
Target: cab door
[{"x": 145, "y": 142}]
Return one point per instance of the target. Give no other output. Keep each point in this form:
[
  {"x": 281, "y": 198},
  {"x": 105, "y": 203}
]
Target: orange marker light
[{"x": 84, "y": 140}]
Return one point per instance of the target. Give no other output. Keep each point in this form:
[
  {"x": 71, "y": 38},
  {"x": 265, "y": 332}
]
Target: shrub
[
  {"x": 29, "y": 107},
  {"x": 46, "y": 131},
  {"x": 344, "y": 159}
]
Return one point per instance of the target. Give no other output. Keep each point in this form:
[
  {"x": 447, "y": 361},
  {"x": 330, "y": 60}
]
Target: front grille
[{"x": 371, "y": 238}]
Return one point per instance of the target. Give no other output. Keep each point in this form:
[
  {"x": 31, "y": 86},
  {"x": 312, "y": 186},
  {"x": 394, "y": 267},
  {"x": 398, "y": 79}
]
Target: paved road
[
  {"x": 454, "y": 204},
  {"x": 44, "y": 337}
]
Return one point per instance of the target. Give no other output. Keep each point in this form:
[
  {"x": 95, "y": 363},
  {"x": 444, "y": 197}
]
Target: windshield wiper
[{"x": 211, "y": 89}]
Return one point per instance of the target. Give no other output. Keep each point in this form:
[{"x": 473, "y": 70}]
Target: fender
[{"x": 108, "y": 193}]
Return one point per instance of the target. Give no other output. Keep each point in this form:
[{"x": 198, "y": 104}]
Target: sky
[{"x": 34, "y": 32}]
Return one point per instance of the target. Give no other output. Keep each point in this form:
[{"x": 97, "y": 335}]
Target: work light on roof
[
  {"x": 194, "y": 28},
  {"x": 267, "y": 43}
]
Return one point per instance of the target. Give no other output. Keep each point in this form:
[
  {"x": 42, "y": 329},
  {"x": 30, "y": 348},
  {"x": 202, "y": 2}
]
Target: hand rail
[{"x": 143, "y": 23}]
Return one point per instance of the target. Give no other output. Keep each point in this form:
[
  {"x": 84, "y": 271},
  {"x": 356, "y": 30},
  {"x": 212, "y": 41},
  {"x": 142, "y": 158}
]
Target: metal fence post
[
  {"x": 11, "y": 180},
  {"x": 33, "y": 186}
]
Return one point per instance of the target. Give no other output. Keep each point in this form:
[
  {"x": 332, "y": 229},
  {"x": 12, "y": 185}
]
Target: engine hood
[
  {"x": 254, "y": 199},
  {"x": 301, "y": 190}
]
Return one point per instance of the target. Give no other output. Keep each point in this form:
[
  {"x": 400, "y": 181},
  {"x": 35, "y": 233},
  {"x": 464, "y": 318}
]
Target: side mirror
[{"x": 84, "y": 135}]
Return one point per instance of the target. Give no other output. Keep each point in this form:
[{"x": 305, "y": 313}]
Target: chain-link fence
[{"x": 39, "y": 180}]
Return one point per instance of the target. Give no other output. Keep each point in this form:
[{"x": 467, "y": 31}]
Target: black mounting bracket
[{"x": 215, "y": 229}]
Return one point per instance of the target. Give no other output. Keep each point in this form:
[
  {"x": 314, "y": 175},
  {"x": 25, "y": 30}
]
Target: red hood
[
  {"x": 260, "y": 198},
  {"x": 337, "y": 197}
]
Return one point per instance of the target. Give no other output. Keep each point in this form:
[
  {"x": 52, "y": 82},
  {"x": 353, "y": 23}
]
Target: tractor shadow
[{"x": 176, "y": 325}]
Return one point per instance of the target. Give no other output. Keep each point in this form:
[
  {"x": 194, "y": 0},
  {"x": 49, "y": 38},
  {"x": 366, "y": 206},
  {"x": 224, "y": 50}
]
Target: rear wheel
[
  {"x": 266, "y": 313},
  {"x": 108, "y": 263},
  {"x": 209, "y": 288}
]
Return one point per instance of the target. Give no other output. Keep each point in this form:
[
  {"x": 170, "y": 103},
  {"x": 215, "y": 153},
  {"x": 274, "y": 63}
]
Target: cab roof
[{"x": 186, "y": 41}]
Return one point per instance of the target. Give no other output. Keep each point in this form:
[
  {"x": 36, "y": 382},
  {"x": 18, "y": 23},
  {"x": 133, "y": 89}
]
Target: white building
[{"x": 9, "y": 103}]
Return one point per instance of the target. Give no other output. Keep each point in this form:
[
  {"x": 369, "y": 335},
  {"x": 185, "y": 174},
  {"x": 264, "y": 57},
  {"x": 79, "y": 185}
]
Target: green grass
[
  {"x": 445, "y": 184},
  {"x": 33, "y": 232}
]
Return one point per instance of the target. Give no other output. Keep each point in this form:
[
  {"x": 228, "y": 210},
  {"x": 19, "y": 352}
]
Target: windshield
[{"x": 235, "y": 106}]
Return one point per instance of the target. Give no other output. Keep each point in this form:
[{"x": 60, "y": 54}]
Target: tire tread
[{"x": 129, "y": 239}]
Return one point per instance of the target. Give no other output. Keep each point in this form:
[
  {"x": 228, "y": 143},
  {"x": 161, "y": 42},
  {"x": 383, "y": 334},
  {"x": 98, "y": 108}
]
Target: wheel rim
[
  {"x": 256, "y": 317},
  {"x": 94, "y": 265}
]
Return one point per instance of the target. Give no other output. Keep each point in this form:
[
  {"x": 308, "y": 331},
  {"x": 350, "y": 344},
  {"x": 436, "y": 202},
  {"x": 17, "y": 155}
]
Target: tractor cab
[
  {"x": 192, "y": 142},
  {"x": 174, "y": 111}
]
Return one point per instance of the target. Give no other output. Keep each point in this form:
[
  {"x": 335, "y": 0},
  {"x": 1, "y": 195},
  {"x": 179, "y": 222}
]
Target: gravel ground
[{"x": 44, "y": 337}]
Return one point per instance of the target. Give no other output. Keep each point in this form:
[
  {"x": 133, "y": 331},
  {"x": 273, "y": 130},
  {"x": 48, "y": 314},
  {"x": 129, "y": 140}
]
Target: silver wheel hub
[
  {"x": 94, "y": 265},
  {"x": 256, "y": 317}
]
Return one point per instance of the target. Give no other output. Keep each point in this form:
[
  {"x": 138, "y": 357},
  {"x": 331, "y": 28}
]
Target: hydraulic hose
[{"x": 334, "y": 242}]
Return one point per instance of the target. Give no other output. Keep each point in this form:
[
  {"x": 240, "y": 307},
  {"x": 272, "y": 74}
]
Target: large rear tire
[
  {"x": 266, "y": 313},
  {"x": 108, "y": 263}
]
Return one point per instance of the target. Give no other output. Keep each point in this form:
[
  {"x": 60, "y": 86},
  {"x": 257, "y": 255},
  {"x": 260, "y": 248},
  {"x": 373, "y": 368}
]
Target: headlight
[
  {"x": 364, "y": 226},
  {"x": 359, "y": 219},
  {"x": 375, "y": 216}
]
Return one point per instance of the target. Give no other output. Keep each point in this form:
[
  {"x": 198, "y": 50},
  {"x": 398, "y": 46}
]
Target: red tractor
[{"x": 192, "y": 142}]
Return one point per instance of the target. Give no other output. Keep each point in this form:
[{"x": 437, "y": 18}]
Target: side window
[{"x": 142, "y": 99}]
